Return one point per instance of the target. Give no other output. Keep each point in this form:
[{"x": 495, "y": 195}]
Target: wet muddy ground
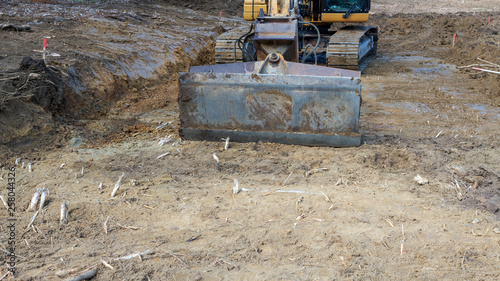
[{"x": 419, "y": 199}]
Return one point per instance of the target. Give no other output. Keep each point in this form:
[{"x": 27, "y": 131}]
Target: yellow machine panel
[
  {"x": 251, "y": 8},
  {"x": 331, "y": 18}
]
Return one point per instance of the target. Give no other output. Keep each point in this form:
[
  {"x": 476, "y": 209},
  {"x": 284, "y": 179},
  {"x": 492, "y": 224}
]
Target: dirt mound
[
  {"x": 34, "y": 82},
  {"x": 29, "y": 96},
  {"x": 475, "y": 38}
]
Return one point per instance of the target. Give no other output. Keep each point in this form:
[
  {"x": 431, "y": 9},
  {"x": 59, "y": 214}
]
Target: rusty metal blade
[{"x": 291, "y": 108}]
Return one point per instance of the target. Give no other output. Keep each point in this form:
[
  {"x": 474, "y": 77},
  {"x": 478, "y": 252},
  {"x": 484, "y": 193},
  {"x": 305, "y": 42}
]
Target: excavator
[{"x": 287, "y": 78}]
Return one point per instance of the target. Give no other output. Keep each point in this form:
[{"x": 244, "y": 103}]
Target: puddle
[{"x": 485, "y": 110}]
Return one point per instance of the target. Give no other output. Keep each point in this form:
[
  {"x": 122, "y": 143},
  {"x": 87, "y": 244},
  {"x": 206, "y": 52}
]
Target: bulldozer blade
[{"x": 309, "y": 105}]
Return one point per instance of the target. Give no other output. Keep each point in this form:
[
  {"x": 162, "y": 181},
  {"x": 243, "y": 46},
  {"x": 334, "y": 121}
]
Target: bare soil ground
[{"x": 108, "y": 94}]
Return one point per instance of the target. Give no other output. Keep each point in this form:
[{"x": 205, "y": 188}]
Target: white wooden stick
[
  {"x": 107, "y": 265},
  {"x": 236, "y": 188},
  {"x": 163, "y": 155},
  {"x": 284, "y": 183},
  {"x": 117, "y": 185},
  {"x": 106, "y": 226},
  {"x": 486, "y": 70},
  {"x": 4, "y": 203},
  {"x": 64, "y": 213},
  {"x": 43, "y": 197},
  {"x": 32, "y": 220},
  {"x": 226, "y": 146}
]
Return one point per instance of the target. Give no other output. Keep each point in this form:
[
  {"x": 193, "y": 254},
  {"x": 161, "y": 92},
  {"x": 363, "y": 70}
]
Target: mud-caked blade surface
[{"x": 290, "y": 109}]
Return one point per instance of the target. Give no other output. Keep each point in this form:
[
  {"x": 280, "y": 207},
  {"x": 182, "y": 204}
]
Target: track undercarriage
[{"x": 351, "y": 47}]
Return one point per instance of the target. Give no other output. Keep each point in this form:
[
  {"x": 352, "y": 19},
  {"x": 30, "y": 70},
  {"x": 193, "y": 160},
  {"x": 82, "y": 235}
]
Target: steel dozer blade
[{"x": 271, "y": 101}]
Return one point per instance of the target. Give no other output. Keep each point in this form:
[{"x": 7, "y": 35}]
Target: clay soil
[{"x": 419, "y": 199}]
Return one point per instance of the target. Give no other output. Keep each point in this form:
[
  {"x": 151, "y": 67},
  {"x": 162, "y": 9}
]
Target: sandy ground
[{"x": 305, "y": 213}]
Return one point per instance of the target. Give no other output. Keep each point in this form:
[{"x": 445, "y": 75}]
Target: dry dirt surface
[{"x": 419, "y": 199}]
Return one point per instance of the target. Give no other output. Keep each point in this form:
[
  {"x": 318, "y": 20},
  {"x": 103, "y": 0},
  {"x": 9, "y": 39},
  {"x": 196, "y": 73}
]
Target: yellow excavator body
[
  {"x": 251, "y": 10},
  {"x": 288, "y": 78}
]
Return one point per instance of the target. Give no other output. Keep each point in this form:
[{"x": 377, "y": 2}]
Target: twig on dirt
[
  {"x": 403, "y": 230},
  {"x": 490, "y": 63},
  {"x": 489, "y": 170},
  {"x": 163, "y": 155},
  {"x": 402, "y": 246},
  {"x": 383, "y": 242},
  {"x": 31, "y": 75},
  {"x": 31, "y": 223},
  {"x": 228, "y": 220},
  {"x": 216, "y": 158},
  {"x": 390, "y": 223},
  {"x": 131, "y": 256},
  {"x": 327, "y": 199},
  {"x": 287, "y": 191},
  {"x": 107, "y": 264},
  {"x": 284, "y": 183},
  {"x": 66, "y": 272},
  {"x": 64, "y": 213},
  {"x": 10, "y": 253},
  {"x": 163, "y": 125},
  {"x": 299, "y": 200},
  {"x": 165, "y": 140},
  {"x": 177, "y": 258},
  {"x": 128, "y": 227},
  {"x": 106, "y": 226},
  {"x": 10, "y": 78},
  {"x": 117, "y": 185},
  {"x": 314, "y": 171},
  {"x": 148, "y": 207},
  {"x": 4, "y": 203},
  {"x": 474, "y": 65},
  {"x": 39, "y": 231},
  {"x": 89, "y": 273},
  {"x": 9, "y": 273},
  {"x": 221, "y": 260},
  {"x": 438, "y": 134},
  {"x": 420, "y": 180},
  {"x": 17, "y": 95}
]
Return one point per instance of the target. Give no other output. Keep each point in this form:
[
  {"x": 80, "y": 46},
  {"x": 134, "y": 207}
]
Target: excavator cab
[{"x": 345, "y": 5}]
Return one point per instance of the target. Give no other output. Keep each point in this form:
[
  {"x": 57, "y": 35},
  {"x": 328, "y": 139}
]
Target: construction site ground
[{"x": 419, "y": 199}]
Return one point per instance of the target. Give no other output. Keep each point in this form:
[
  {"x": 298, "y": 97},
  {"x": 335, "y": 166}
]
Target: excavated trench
[{"x": 110, "y": 67}]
